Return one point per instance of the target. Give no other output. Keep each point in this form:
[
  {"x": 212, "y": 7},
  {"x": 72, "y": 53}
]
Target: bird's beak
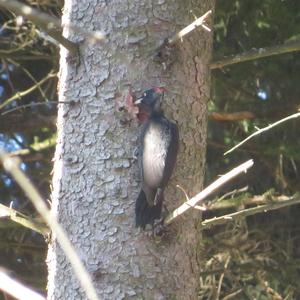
[{"x": 138, "y": 101}]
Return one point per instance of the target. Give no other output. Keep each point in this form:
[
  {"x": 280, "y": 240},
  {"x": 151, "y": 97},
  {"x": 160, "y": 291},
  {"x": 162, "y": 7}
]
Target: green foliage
[
  {"x": 267, "y": 88},
  {"x": 260, "y": 260},
  {"x": 260, "y": 252}
]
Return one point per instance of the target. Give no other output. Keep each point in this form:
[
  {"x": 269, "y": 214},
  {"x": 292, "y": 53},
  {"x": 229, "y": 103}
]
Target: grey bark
[{"x": 96, "y": 181}]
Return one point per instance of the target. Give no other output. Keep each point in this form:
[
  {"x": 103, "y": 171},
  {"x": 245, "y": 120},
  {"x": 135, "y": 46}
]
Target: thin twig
[
  {"x": 187, "y": 199},
  {"x": 15, "y": 216},
  {"x": 233, "y": 295},
  {"x": 222, "y": 277},
  {"x": 179, "y": 35},
  {"x": 27, "y": 105},
  {"x": 16, "y": 289},
  {"x": 30, "y": 76},
  {"x": 233, "y": 193},
  {"x": 256, "y": 54},
  {"x": 12, "y": 165},
  {"x": 249, "y": 212},
  {"x": 184, "y": 192},
  {"x": 36, "y": 147},
  {"x": 294, "y": 116},
  {"x": 19, "y": 95},
  {"x": 244, "y": 200},
  {"x": 207, "y": 191},
  {"x": 35, "y": 104}
]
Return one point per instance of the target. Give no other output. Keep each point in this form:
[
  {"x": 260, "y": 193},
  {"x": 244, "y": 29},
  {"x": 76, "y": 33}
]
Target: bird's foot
[{"x": 159, "y": 228}]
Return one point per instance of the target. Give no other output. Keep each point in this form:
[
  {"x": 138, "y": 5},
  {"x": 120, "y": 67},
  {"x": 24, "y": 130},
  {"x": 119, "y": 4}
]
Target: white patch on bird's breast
[{"x": 154, "y": 154}]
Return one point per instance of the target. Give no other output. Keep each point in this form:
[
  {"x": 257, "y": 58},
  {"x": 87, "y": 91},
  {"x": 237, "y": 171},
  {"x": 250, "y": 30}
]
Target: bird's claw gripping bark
[{"x": 159, "y": 227}]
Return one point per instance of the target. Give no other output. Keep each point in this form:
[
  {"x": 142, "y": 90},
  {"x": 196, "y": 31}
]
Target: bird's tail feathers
[{"x": 144, "y": 213}]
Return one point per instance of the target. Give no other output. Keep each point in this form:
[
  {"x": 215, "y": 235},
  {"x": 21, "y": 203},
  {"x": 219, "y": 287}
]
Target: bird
[{"x": 158, "y": 148}]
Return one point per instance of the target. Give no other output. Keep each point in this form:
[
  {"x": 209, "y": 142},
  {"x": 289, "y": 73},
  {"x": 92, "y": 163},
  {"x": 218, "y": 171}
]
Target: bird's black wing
[{"x": 172, "y": 151}]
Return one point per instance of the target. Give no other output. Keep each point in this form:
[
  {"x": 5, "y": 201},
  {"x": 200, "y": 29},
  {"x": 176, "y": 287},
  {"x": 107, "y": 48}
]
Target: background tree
[{"x": 254, "y": 258}]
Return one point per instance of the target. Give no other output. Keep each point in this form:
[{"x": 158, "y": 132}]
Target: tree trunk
[{"x": 96, "y": 180}]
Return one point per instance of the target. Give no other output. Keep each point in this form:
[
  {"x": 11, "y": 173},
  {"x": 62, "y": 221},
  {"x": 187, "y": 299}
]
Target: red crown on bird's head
[{"x": 159, "y": 90}]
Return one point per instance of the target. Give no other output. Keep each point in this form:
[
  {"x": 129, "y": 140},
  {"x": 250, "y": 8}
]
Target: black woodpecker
[{"x": 157, "y": 156}]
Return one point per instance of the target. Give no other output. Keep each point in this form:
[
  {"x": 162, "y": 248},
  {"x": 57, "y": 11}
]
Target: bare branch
[
  {"x": 249, "y": 212},
  {"x": 48, "y": 23},
  {"x": 11, "y": 165},
  {"x": 256, "y": 54},
  {"x": 25, "y": 57},
  {"x": 222, "y": 277},
  {"x": 294, "y": 116},
  {"x": 15, "y": 216},
  {"x": 6, "y": 112},
  {"x": 207, "y": 191},
  {"x": 234, "y": 116},
  {"x": 16, "y": 289},
  {"x": 245, "y": 200},
  {"x": 179, "y": 35}
]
